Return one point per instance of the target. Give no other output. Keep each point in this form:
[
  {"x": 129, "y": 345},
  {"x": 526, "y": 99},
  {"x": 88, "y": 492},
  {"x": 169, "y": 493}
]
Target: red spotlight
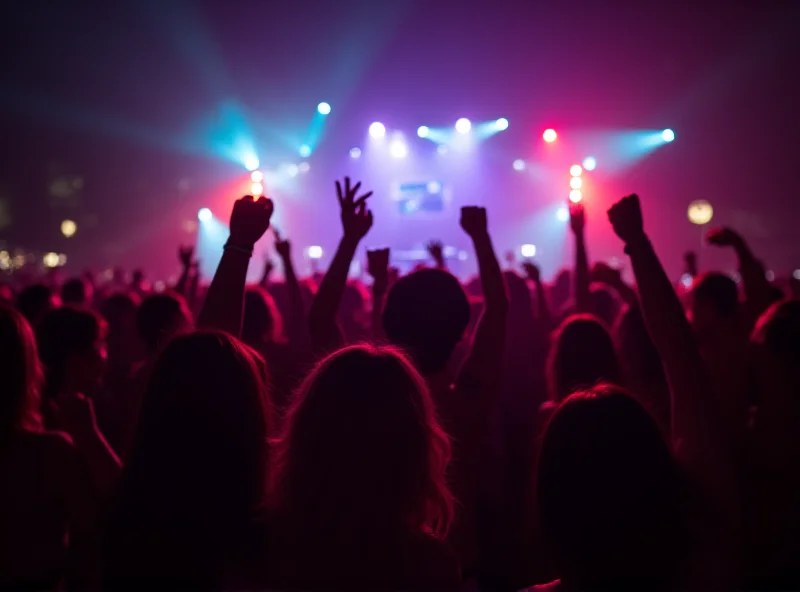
[{"x": 549, "y": 135}]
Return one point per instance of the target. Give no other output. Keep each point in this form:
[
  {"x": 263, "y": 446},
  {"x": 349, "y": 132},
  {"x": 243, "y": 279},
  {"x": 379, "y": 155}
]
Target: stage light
[
  {"x": 324, "y": 108},
  {"x": 355, "y": 152},
  {"x": 576, "y": 182},
  {"x": 68, "y": 228},
  {"x": 304, "y": 167},
  {"x": 501, "y": 124},
  {"x": 575, "y": 170},
  {"x": 398, "y": 149},
  {"x": 528, "y": 251},
  {"x": 589, "y": 163},
  {"x": 668, "y": 135},
  {"x": 251, "y": 162},
  {"x": 315, "y": 252},
  {"x": 575, "y": 196},
  {"x": 256, "y": 189},
  {"x": 292, "y": 169},
  {"x": 549, "y": 135},
  {"x": 434, "y": 187},
  {"x": 700, "y": 212},
  {"x": 204, "y": 215},
  {"x": 463, "y": 125},
  {"x": 519, "y": 165},
  {"x": 441, "y": 149},
  {"x": 305, "y": 151},
  {"x": 796, "y": 274},
  {"x": 256, "y": 176},
  {"x": 50, "y": 260},
  {"x": 423, "y": 131},
  {"x": 562, "y": 214},
  {"x": 377, "y": 130}
]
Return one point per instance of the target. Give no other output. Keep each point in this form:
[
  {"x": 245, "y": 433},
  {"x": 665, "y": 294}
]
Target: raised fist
[
  {"x": 532, "y": 271},
  {"x": 282, "y": 247},
  {"x": 577, "y": 218},
  {"x": 185, "y": 255},
  {"x": 250, "y": 220},
  {"x": 436, "y": 251},
  {"x": 626, "y": 219},
  {"x": 473, "y": 220},
  {"x": 356, "y": 218}
]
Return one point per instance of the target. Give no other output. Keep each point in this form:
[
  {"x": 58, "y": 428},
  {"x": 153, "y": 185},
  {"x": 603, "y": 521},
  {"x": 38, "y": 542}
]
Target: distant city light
[
  {"x": 463, "y": 125},
  {"x": 398, "y": 149},
  {"x": 528, "y": 250},
  {"x": 377, "y": 130},
  {"x": 256, "y": 176},
  {"x": 256, "y": 189},
  {"x": 575, "y": 196},
  {"x": 700, "y": 212},
  {"x": 589, "y": 163},
  {"x": 315, "y": 252},
  {"x": 668, "y": 135},
  {"x": 562, "y": 214},
  {"x": 305, "y": 151},
  {"x": 423, "y": 131},
  {"x": 519, "y": 165},
  {"x": 292, "y": 169},
  {"x": 204, "y": 215},
  {"x": 549, "y": 135},
  {"x": 50, "y": 260},
  {"x": 324, "y": 108},
  {"x": 355, "y": 152},
  {"x": 575, "y": 170},
  {"x": 576, "y": 182},
  {"x": 304, "y": 167},
  {"x": 251, "y": 162},
  {"x": 68, "y": 228},
  {"x": 501, "y": 124}
]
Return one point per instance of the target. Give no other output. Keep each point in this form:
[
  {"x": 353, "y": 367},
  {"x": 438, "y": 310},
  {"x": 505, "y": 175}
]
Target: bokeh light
[
  {"x": 700, "y": 212},
  {"x": 442, "y": 149},
  {"x": 204, "y": 215},
  {"x": 398, "y": 149},
  {"x": 251, "y": 162},
  {"x": 256, "y": 176},
  {"x": 668, "y": 135},
  {"x": 519, "y": 165},
  {"x": 304, "y": 167},
  {"x": 50, "y": 260},
  {"x": 323, "y": 108},
  {"x": 423, "y": 131},
  {"x": 305, "y": 151},
  {"x": 463, "y": 125},
  {"x": 377, "y": 130},
  {"x": 501, "y": 124},
  {"x": 562, "y": 214},
  {"x": 575, "y": 170},
  {"x": 292, "y": 169},
  {"x": 355, "y": 152},
  {"x": 549, "y": 135},
  {"x": 576, "y": 182},
  {"x": 69, "y": 228},
  {"x": 590, "y": 163},
  {"x": 256, "y": 189},
  {"x": 575, "y": 196},
  {"x": 528, "y": 250},
  {"x": 315, "y": 252}
]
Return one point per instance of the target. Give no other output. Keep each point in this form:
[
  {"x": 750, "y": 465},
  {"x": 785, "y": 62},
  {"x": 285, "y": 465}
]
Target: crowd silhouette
[{"x": 413, "y": 433}]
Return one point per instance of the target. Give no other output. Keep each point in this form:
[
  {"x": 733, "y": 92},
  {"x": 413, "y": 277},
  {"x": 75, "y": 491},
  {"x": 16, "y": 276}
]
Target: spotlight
[
  {"x": 575, "y": 196},
  {"x": 398, "y": 149},
  {"x": 304, "y": 167},
  {"x": 589, "y": 163},
  {"x": 355, "y": 152},
  {"x": 528, "y": 251},
  {"x": 377, "y": 130},
  {"x": 204, "y": 215},
  {"x": 256, "y": 176},
  {"x": 305, "y": 151},
  {"x": 251, "y": 162},
  {"x": 700, "y": 212},
  {"x": 501, "y": 124},
  {"x": 324, "y": 108},
  {"x": 292, "y": 169},
  {"x": 463, "y": 125},
  {"x": 423, "y": 131},
  {"x": 668, "y": 135},
  {"x": 68, "y": 228},
  {"x": 549, "y": 135},
  {"x": 576, "y": 182},
  {"x": 256, "y": 189},
  {"x": 434, "y": 187},
  {"x": 562, "y": 214},
  {"x": 575, "y": 170},
  {"x": 315, "y": 252},
  {"x": 519, "y": 165}
]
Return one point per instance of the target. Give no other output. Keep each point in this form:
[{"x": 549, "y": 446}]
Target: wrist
[
  {"x": 636, "y": 243},
  {"x": 238, "y": 246}
]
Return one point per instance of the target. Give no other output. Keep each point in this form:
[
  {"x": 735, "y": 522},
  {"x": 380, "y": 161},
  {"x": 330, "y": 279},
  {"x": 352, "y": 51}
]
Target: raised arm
[
  {"x": 185, "y": 256},
  {"x": 224, "y": 304},
  {"x": 296, "y": 327},
  {"x": 483, "y": 363},
  {"x": 356, "y": 222},
  {"x": 266, "y": 275},
  {"x": 436, "y": 251},
  {"x": 543, "y": 315},
  {"x": 378, "y": 268},
  {"x": 577, "y": 220},
  {"x": 605, "y": 274}
]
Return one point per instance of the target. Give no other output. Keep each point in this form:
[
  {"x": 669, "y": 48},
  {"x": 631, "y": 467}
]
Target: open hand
[
  {"x": 356, "y": 218},
  {"x": 532, "y": 271},
  {"x": 283, "y": 247},
  {"x": 378, "y": 267},
  {"x": 473, "y": 221},
  {"x": 626, "y": 219},
  {"x": 577, "y": 218},
  {"x": 250, "y": 220},
  {"x": 436, "y": 251},
  {"x": 185, "y": 255},
  {"x": 723, "y": 237}
]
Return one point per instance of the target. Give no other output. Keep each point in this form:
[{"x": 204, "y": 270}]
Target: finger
[
  {"x": 339, "y": 192},
  {"x": 355, "y": 188},
  {"x": 347, "y": 193},
  {"x": 363, "y": 198},
  {"x": 361, "y": 208}
]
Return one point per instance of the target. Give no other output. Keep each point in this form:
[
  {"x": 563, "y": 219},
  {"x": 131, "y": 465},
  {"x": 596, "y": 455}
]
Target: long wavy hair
[
  {"x": 362, "y": 450},
  {"x": 21, "y": 372}
]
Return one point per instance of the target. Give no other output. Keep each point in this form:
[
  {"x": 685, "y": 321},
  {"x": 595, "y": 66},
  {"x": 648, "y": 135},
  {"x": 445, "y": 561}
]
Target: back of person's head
[
  {"x": 196, "y": 477},
  {"x": 582, "y": 354},
  {"x": 362, "y": 450},
  {"x": 160, "y": 317},
  {"x": 120, "y": 309},
  {"x": 637, "y": 353},
  {"x": 715, "y": 301},
  {"x": 71, "y": 344},
  {"x": 609, "y": 495},
  {"x": 519, "y": 295},
  {"x": 77, "y": 291},
  {"x": 262, "y": 319},
  {"x": 561, "y": 288},
  {"x": 21, "y": 373},
  {"x": 426, "y": 314},
  {"x": 777, "y": 332},
  {"x": 34, "y": 301},
  {"x": 605, "y": 304}
]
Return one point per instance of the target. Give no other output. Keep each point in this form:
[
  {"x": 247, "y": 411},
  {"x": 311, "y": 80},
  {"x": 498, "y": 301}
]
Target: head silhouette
[
  {"x": 21, "y": 372},
  {"x": 777, "y": 334},
  {"x": 77, "y": 291},
  {"x": 362, "y": 451},
  {"x": 36, "y": 300},
  {"x": 426, "y": 314},
  {"x": 605, "y": 304},
  {"x": 195, "y": 480},
  {"x": 609, "y": 495},
  {"x": 582, "y": 355},
  {"x": 159, "y": 318},
  {"x": 715, "y": 303},
  {"x": 262, "y": 319}
]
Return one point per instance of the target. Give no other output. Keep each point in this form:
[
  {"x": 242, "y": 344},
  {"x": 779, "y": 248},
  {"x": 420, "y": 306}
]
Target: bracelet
[{"x": 238, "y": 248}]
